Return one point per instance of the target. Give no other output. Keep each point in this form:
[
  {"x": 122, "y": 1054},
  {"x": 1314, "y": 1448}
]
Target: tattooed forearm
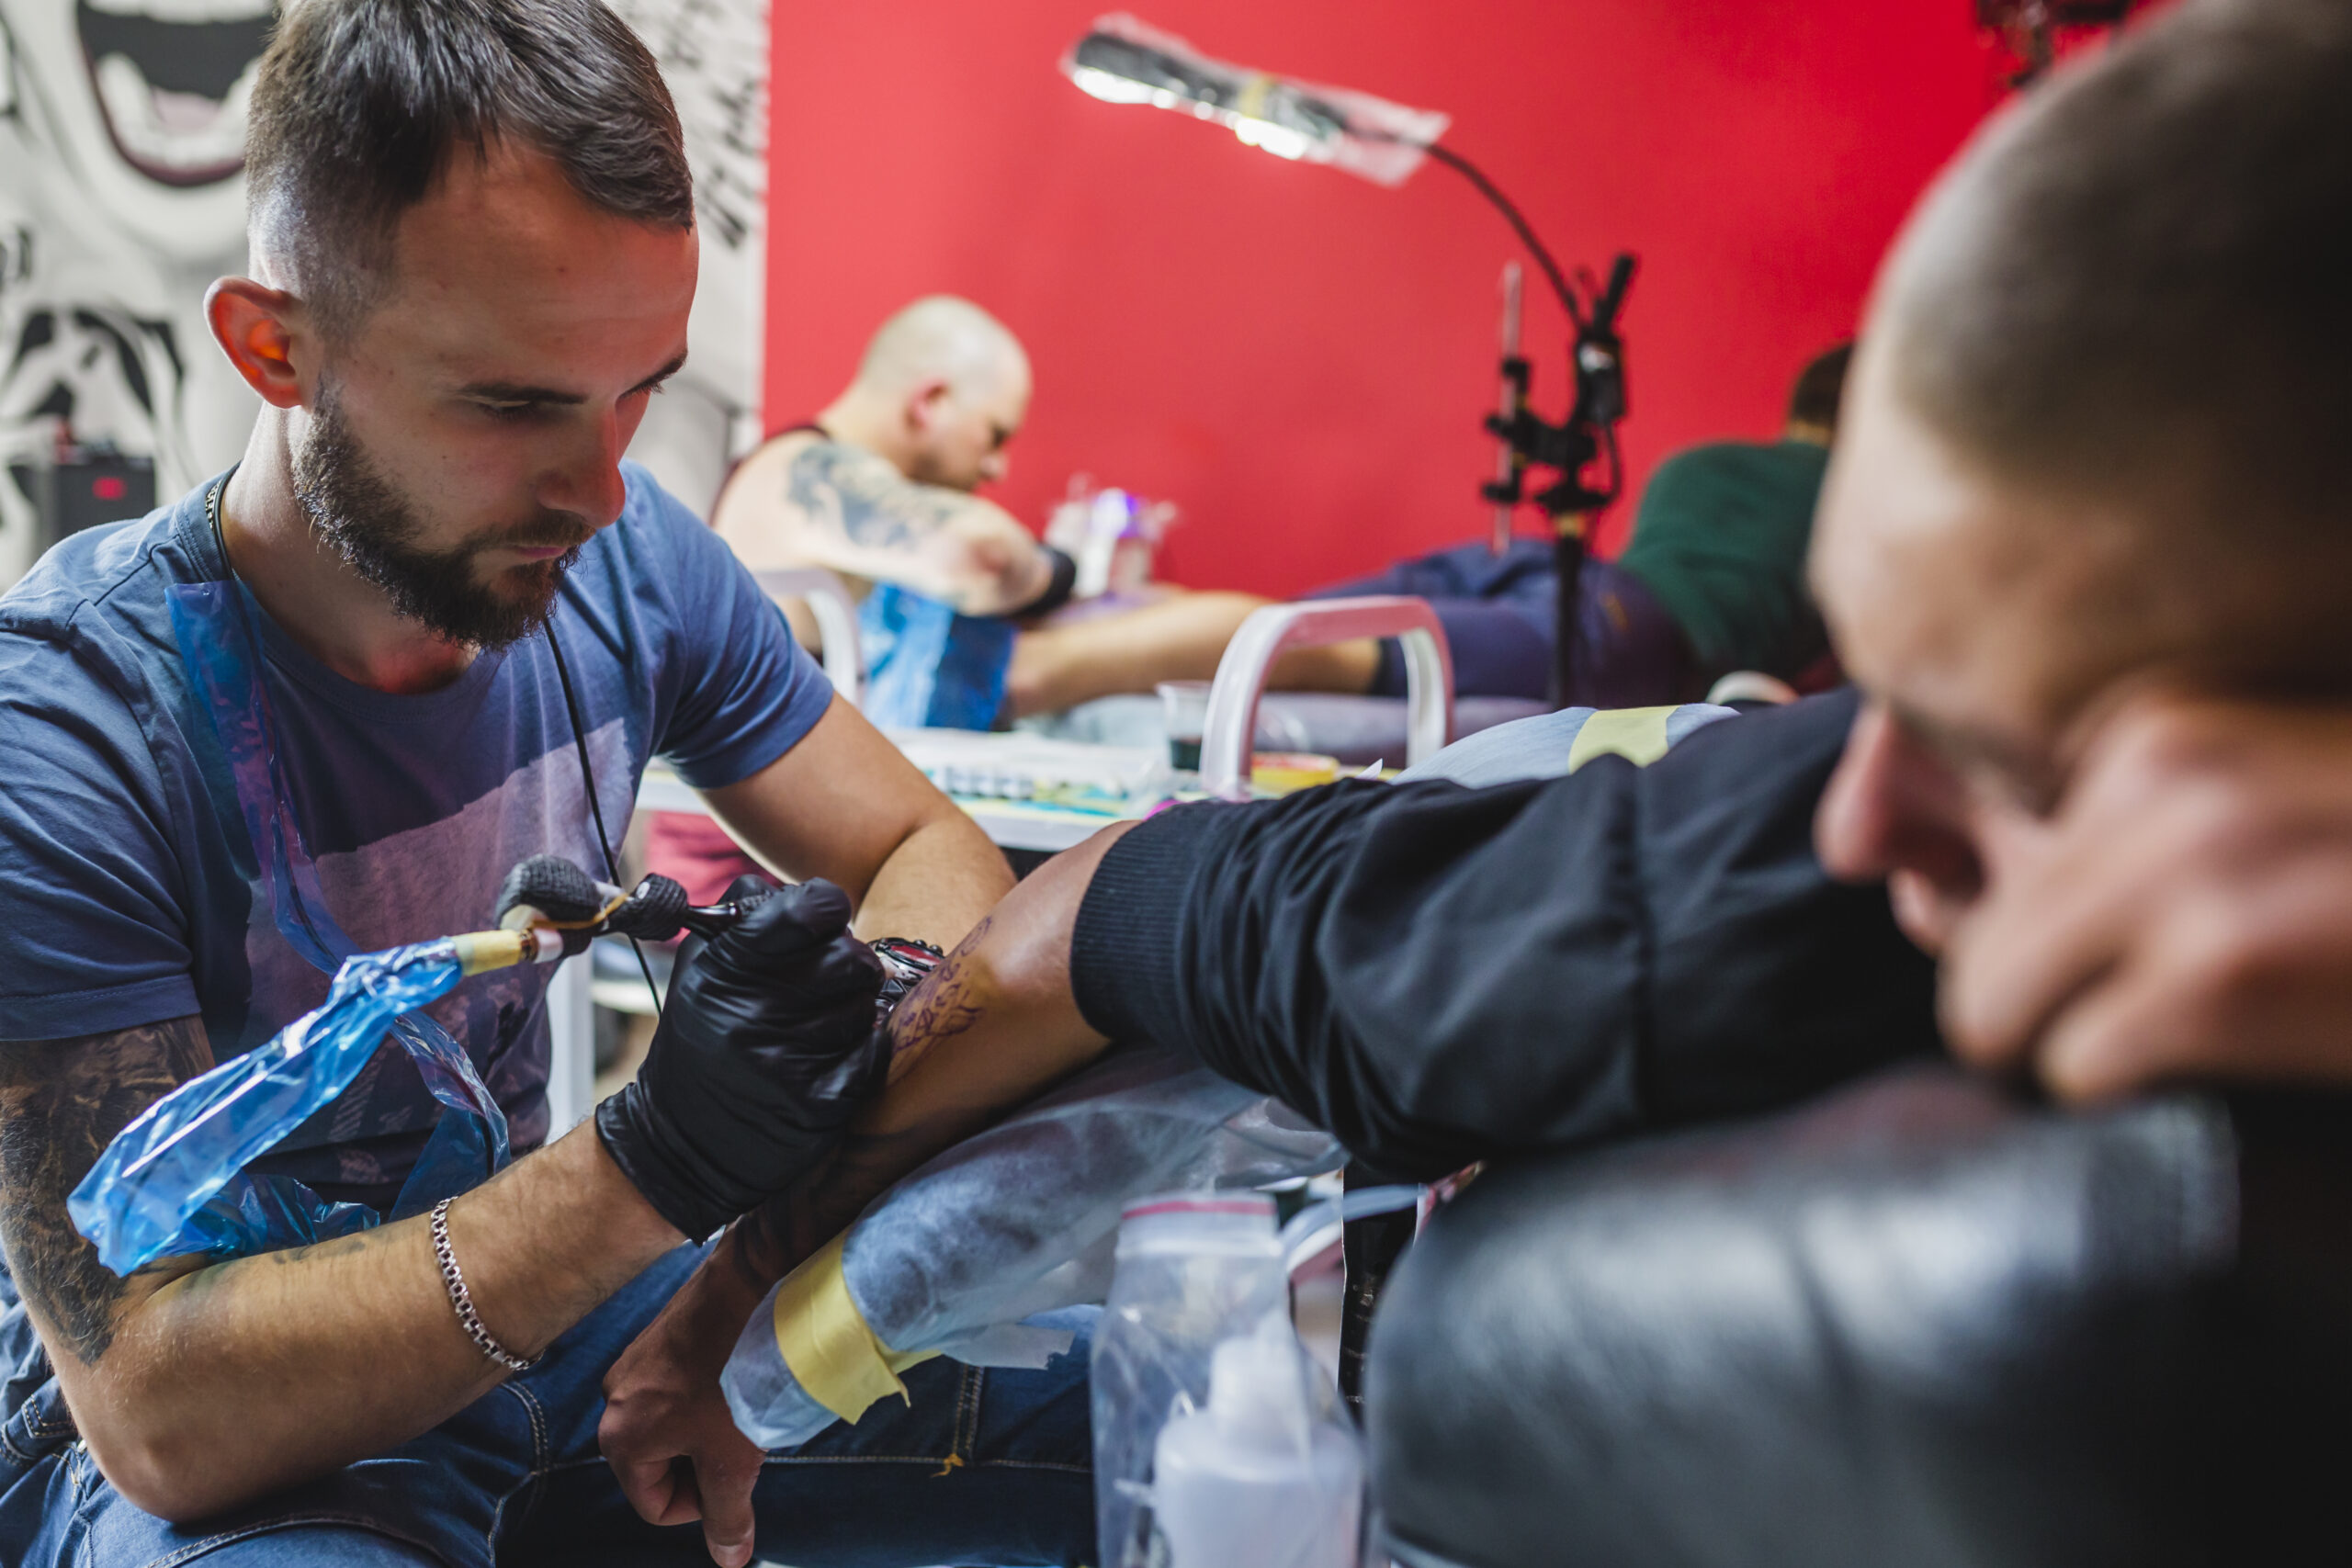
[
  {"x": 862, "y": 498},
  {"x": 60, "y": 1102},
  {"x": 945, "y": 1004},
  {"x": 990, "y": 1029}
]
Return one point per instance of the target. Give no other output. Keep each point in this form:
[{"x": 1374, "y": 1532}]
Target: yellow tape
[
  {"x": 825, "y": 1341},
  {"x": 1636, "y": 734},
  {"x": 481, "y": 951}
]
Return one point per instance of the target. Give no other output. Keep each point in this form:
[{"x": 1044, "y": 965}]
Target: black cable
[
  {"x": 595, "y": 807},
  {"x": 1503, "y": 204}
]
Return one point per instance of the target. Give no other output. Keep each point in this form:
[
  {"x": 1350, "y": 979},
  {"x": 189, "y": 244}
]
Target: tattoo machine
[{"x": 548, "y": 895}]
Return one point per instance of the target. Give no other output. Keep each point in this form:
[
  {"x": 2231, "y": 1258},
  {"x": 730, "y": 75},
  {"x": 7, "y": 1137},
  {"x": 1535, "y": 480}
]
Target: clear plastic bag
[
  {"x": 1123, "y": 60},
  {"x": 1194, "y": 1270},
  {"x": 1015, "y": 1222},
  {"x": 1268, "y": 1475}
]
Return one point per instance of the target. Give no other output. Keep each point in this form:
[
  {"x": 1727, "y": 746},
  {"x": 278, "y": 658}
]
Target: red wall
[{"x": 1297, "y": 357}]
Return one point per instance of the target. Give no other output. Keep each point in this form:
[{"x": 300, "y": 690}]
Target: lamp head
[{"x": 1121, "y": 61}]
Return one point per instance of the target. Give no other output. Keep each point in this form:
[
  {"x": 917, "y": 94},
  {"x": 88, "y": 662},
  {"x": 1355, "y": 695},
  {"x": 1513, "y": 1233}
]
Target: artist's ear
[
  {"x": 925, "y": 402},
  {"x": 255, "y": 326}
]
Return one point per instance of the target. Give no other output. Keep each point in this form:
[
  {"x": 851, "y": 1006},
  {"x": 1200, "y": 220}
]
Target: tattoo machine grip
[{"x": 549, "y": 890}]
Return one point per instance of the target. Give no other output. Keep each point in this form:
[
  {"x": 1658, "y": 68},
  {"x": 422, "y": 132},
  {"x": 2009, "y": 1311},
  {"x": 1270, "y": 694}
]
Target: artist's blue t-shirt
[{"x": 129, "y": 889}]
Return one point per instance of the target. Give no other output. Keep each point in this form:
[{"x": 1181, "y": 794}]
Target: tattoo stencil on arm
[
  {"x": 62, "y": 1101},
  {"x": 945, "y": 1004}
]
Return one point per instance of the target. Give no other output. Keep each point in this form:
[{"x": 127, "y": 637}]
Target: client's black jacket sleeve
[{"x": 1440, "y": 975}]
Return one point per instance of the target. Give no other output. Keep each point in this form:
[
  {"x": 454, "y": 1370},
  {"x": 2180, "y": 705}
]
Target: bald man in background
[
  {"x": 879, "y": 489},
  {"x": 879, "y": 486}
]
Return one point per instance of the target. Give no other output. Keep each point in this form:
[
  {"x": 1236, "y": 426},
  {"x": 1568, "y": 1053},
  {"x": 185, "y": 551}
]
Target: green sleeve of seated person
[{"x": 1721, "y": 540}]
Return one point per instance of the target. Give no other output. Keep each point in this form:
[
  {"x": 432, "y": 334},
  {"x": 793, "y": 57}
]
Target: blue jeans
[
  {"x": 983, "y": 1466},
  {"x": 1500, "y": 622}
]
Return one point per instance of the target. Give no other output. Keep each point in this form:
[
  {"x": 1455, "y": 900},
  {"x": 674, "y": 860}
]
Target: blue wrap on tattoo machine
[{"x": 174, "y": 1182}]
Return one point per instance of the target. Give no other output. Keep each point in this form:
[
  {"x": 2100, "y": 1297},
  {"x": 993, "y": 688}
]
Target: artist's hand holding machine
[{"x": 767, "y": 1047}]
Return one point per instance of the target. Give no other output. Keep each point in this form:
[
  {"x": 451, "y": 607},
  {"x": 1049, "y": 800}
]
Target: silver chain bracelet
[{"x": 463, "y": 1301}]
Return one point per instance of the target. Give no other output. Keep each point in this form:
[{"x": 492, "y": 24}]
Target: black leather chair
[{"x": 1920, "y": 1323}]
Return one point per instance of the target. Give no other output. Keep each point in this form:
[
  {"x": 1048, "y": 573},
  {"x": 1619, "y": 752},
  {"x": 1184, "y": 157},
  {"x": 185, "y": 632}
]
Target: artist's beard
[{"x": 355, "y": 508}]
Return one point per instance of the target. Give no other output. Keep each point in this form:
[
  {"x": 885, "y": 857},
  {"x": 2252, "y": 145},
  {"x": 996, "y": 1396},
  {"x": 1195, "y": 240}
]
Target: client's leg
[
  {"x": 976, "y": 1465},
  {"x": 1180, "y": 638}
]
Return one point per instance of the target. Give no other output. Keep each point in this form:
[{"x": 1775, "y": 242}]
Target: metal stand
[
  {"x": 1369, "y": 1248},
  {"x": 1588, "y": 435},
  {"x": 1568, "y": 574}
]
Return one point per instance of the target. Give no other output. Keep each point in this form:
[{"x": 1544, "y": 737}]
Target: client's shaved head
[
  {"x": 2137, "y": 292},
  {"x": 2099, "y": 438},
  {"x": 940, "y": 338}
]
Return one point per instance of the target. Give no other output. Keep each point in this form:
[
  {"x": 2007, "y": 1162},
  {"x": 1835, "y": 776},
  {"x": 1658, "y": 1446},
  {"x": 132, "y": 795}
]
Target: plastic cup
[{"x": 1184, "y": 709}]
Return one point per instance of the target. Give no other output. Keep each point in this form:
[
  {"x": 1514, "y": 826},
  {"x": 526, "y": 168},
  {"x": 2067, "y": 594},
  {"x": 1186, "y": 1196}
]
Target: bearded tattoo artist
[{"x": 474, "y": 249}]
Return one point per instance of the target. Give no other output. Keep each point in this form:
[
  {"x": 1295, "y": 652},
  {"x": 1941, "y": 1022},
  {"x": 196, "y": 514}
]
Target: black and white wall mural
[
  {"x": 714, "y": 53},
  {"x": 121, "y": 130}
]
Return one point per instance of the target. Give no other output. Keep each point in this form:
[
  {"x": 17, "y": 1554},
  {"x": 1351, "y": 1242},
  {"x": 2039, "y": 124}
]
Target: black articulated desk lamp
[{"x": 1121, "y": 61}]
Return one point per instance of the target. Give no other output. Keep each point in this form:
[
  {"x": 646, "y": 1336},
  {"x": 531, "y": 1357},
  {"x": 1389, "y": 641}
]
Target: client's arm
[
  {"x": 1436, "y": 973},
  {"x": 1440, "y": 975}
]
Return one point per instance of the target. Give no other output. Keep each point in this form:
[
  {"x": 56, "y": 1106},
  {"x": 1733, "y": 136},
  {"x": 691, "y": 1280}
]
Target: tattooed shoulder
[
  {"x": 60, "y": 1102},
  {"x": 860, "y": 496}
]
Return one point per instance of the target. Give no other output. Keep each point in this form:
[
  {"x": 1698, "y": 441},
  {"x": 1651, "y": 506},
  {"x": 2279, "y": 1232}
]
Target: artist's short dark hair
[
  {"x": 1821, "y": 387},
  {"x": 360, "y": 104},
  {"x": 2140, "y": 288}
]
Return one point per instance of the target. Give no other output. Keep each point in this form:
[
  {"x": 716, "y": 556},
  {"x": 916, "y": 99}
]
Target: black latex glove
[{"x": 767, "y": 1047}]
